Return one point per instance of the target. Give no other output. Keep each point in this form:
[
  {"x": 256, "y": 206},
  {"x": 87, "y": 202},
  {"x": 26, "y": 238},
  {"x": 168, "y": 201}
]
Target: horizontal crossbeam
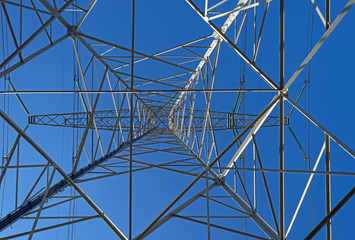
[{"x": 107, "y": 120}]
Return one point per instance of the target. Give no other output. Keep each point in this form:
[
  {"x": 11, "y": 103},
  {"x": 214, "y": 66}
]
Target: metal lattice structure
[{"x": 142, "y": 144}]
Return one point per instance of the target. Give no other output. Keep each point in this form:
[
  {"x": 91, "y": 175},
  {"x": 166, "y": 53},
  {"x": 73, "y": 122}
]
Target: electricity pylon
[{"x": 143, "y": 115}]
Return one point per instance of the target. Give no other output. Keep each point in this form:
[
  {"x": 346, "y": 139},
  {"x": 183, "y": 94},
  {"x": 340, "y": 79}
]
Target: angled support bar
[
  {"x": 34, "y": 35},
  {"x": 319, "y": 44},
  {"x": 249, "y": 137},
  {"x": 264, "y": 226},
  {"x": 32, "y": 56},
  {"x": 207, "y": 54},
  {"x": 67, "y": 178},
  {"x": 74, "y": 34},
  {"x": 170, "y": 215},
  {"x": 58, "y": 187},
  {"x": 221, "y": 34},
  {"x": 331, "y": 214},
  {"x": 315, "y": 122}
]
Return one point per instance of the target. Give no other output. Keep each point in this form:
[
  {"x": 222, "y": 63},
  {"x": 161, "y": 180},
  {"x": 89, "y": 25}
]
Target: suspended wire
[
  {"x": 239, "y": 107},
  {"x": 71, "y": 231},
  {"x": 307, "y": 98},
  {"x": 308, "y": 75},
  {"x": 63, "y": 129},
  {"x": 305, "y": 88}
]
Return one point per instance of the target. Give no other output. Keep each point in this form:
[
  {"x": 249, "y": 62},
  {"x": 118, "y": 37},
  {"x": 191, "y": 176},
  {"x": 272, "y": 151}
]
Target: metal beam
[
  {"x": 240, "y": 201},
  {"x": 281, "y": 126},
  {"x": 59, "y": 186},
  {"x": 66, "y": 181},
  {"x": 331, "y": 214},
  {"x": 327, "y": 146},
  {"x": 210, "y": 165},
  {"x": 207, "y": 54},
  {"x": 83, "y": 17},
  {"x": 249, "y": 137},
  {"x": 320, "y": 126},
  {"x": 34, "y": 35},
  {"x": 74, "y": 34},
  {"x": 168, "y": 216},
  {"x": 319, "y": 44},
  {"x": 242, "y": 55},
  {"x": 51, "y": 227},
  {"x": 328, "y": 198},
  {"x": 305, "y": 190},
  {"x": 221, "y": 227}
]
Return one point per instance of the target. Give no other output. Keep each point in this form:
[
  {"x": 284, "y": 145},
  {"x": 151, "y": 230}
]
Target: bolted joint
[
  {"x": 284, "y": 93},
  {"x": 72, "y": 31},
  {"x": 220, "y": 181},
  {"x": 56, "y": 14}
]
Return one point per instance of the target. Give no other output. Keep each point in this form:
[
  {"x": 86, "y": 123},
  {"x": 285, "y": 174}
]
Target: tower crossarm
[
  {"x": 105, "y": 120},
  {"x": 108, "y": 120},
  {"x": 220, "y": 120}
]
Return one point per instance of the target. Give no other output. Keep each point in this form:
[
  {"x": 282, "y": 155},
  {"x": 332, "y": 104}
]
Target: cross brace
[{"x": 28, "y": 206}]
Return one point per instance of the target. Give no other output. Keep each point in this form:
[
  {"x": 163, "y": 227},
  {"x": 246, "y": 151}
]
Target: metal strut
[{"x": 28, "y": 206}]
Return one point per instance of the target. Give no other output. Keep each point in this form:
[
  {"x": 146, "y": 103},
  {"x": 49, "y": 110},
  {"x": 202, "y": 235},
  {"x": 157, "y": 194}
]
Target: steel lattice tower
[{"x": 116, "y": 120}]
